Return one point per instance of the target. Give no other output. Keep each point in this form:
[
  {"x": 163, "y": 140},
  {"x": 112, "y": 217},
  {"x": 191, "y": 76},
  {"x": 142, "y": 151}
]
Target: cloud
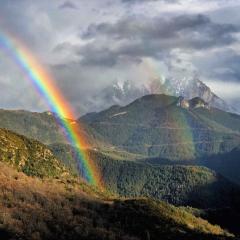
[
  {"x": 110, "y": 40},
  {"x": 221, "y": 65},
  {"x": 141, "y": 27},
  {"x": 68, "y": 5},
  {"x": 229, "y": 90},
  {"x": 134, "y": 37}
]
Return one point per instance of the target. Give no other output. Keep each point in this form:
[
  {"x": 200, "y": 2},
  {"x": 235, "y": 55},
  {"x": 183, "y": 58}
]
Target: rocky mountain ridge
[{"x": 124, "y": 92}]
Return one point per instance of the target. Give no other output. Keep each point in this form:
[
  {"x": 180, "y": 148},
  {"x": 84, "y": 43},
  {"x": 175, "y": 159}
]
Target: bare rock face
[
  {"x": 192, "y": 103},
  {"x": 198, "y": 103},
  {"x": 195, "y": 88},
  {"x": 183, "y": 103}
]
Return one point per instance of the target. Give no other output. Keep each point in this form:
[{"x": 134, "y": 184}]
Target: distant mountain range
[
  {"x": 171, "y": 130},
  {"x": 159, "y": 129},
  {"x": 124, "y": 92},
  {"x": 167, "y": 127}
]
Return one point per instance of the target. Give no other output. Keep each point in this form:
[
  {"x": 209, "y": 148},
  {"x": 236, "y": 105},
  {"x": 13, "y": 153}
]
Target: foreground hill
[
  {"x": 50, "y": 209},
  {"x": 29, "y": 156},
  {"x": 60, "y": 206},
  {"x": 167, "y": 127}
]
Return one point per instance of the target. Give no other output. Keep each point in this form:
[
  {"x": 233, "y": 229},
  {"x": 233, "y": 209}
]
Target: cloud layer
[
  {"x": 141, "y": 36},
  {"x": 89, "y": 45}
]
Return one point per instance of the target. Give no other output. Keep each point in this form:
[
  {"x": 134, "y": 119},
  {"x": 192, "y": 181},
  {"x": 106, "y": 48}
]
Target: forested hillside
[
  {"x": 180, "y": 185},
  {"x": 53, "y": 204}
]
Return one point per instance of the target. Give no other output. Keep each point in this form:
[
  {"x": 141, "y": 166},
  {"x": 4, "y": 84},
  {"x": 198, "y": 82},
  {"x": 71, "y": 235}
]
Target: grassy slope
[
  {"x": 151, "y": 126},
  {"x": 213, "y": 128},
  {"x": 54, "y": 209},
  {"x": 29, "y": 156},
  {"x": 60, "y": 206},
  {"x": 39, "y": 126},
  {"x": 43, "y": 127}
]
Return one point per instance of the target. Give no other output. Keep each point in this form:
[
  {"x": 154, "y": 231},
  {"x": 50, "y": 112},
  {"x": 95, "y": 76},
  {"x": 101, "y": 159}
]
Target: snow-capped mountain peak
[{"x": 123, "y": 92}]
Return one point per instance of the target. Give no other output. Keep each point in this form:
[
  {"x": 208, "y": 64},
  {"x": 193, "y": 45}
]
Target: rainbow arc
[{"x": 46, "y": 87}]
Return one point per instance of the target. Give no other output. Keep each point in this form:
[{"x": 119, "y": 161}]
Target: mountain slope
[
  {"x": 124, "y": 92},
  {"x": 193, "y": 87},
  {"x": 44, "y": 127},
  {"x": 33, "y": 209},
  {"x": 157, "y": 126},
  {"x": 29, "y": 156},
  {"x": 59, "y": 206},
  {"x": 179, "y": 185},
  {"x": 227, "y": 164},
  {"x": 39, "y": 126}
]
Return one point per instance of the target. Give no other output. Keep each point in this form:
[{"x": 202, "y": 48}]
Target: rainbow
[
  {"x": 183, "y": 134},
  {"x": 47, "y": 88}
]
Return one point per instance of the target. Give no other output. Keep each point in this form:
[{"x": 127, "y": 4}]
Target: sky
[{"x": 88, "y": 45}]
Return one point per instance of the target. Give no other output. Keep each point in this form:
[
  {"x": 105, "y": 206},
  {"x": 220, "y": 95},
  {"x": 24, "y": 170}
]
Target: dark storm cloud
[
  {"x": 139, "y": 36},
  {"x": 110, "y": 47},
  {"x": 162, "y": 28}
]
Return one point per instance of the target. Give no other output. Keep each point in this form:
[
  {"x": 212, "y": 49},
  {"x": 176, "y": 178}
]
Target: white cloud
[
  {"x": 227, "y": 90},
  {"x": 54, "y": 36}
]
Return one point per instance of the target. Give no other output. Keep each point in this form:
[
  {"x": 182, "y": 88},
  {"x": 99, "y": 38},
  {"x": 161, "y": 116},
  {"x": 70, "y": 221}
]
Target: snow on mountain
[{"x": 123, "y": 92}]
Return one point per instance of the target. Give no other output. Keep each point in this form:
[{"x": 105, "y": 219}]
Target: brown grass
[{"x": 37, "y": 209}]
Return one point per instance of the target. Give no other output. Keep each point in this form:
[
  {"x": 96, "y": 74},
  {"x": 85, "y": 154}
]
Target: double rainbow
[{"x": 47, "y": 88}]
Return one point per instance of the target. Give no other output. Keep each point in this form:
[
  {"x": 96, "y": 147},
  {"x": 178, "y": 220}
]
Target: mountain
[
  {"x": 163, "y": 129},
  {"x": 50, "y": 203},
  {"x": 43, "y": 127},
  {"x": 124, "y": 92},
  {"x": 40, "y": 126},
  {"x": 161, "y": 126},
  {"x": 157, "y": 145},
  {"x": 59, "y": 186}
]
